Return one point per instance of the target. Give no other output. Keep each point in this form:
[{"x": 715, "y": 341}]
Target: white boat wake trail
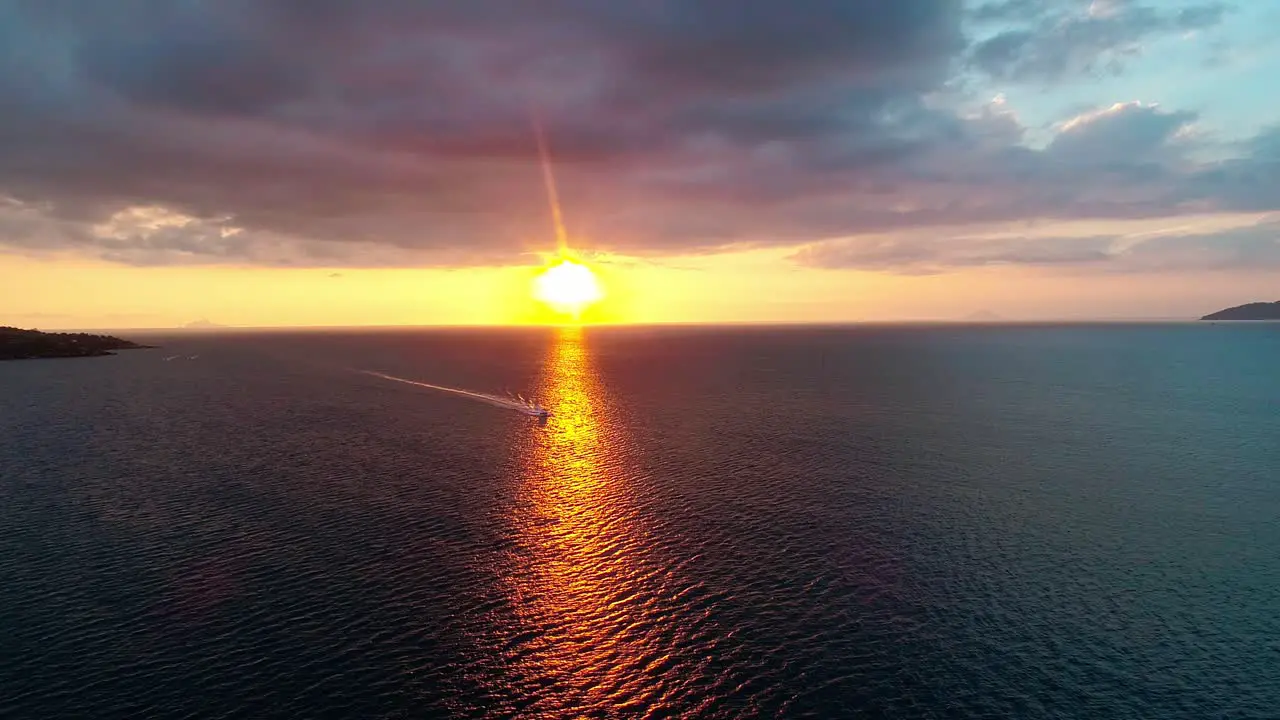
[{"x": 510, "y": 403}]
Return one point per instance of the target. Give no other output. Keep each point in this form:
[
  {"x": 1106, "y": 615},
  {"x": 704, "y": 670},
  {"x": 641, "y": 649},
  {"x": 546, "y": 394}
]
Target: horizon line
[{"x": 656, "y": 323}]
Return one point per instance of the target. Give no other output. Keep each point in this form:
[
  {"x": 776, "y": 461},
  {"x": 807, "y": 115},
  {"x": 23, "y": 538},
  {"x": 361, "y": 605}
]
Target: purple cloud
[{"x": 385, "y": 132}]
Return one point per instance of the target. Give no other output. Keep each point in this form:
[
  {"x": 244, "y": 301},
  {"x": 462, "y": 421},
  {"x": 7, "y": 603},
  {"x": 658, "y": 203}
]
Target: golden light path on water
[{"x": 589, "y": 589}]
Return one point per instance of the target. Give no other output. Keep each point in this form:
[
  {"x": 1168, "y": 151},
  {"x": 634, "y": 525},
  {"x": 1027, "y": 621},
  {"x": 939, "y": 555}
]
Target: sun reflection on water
[{"x": 584, "y": 584}]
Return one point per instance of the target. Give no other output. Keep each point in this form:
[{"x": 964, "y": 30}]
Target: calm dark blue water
[{"x": 968, "y": 522}]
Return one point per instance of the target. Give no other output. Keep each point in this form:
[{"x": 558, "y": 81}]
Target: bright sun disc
[{"x": 568, "y": 287}]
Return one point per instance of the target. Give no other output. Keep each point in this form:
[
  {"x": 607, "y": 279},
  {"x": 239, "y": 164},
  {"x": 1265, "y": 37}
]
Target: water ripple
[{"x": 717, "y": 525}]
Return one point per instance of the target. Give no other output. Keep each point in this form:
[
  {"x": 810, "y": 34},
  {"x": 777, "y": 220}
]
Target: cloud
[
  {"x": 407, "y": 124},
  {"x": 1011, "y": 10},
  {"x": 1131, "y": 132},
  {"x": 927, "y": 255},
  {"x": 1265, "y": 146},
  {"x": 1255, "y": 248},
  {"x": 1251, "y": 248},
  {"x": 324, "y": 133},
  {"x": 1049, "y": 40}
]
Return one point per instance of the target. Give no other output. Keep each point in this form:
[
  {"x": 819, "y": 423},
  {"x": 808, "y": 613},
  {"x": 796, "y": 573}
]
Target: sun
[{"x": 568, "y": 287}]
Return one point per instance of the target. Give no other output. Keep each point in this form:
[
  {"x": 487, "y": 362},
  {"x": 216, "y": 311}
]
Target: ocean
[{"x": 1006, "y": 521}]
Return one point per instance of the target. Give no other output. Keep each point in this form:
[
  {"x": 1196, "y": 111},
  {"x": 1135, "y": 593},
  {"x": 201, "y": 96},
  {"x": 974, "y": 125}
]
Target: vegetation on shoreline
[
  {"x": 19, "y": 344},
  {"x": 1251, "y": 311}
]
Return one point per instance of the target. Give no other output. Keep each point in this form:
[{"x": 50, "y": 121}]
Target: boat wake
[{"x": 509, "y": 402}]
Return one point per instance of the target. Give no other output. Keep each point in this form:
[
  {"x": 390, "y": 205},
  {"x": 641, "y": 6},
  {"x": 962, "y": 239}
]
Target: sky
[{"x": 373, "y": 162}]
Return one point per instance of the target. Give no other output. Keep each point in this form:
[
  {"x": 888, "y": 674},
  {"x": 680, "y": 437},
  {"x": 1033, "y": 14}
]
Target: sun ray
[
  {"x": 549, "y": 179},
  {"x": 567, "y": 286}
]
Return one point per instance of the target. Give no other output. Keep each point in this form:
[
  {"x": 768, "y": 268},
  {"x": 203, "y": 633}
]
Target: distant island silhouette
[
  {"x": 1250, "y": 311},
  {"x": 19, "y": 344},
  {"x": 203, "y": 324}
]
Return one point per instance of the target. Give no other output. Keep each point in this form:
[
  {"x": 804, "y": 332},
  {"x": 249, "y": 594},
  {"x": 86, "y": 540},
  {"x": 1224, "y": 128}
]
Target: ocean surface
[{"x": 907, "y": 522}]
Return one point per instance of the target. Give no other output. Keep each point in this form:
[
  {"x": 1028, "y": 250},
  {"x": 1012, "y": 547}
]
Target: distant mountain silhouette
[
  {"x": 18, "y": 344},
  {"x": 1250, "y": 311},
  {"x": 203, "y": 324}
]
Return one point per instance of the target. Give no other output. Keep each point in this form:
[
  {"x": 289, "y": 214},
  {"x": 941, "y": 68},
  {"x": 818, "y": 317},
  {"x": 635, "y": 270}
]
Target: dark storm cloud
[
  {"x": 383, "y": 132},
  {"x": 1050, "y": 39}
]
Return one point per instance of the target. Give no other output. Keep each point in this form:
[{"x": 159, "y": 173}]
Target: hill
[
  {"x": 1250, "y": 311},
  {"x": 19, "y": 344}
]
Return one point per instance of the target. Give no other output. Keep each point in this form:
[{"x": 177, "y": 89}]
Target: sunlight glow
[{"x": 568, "y": 287}]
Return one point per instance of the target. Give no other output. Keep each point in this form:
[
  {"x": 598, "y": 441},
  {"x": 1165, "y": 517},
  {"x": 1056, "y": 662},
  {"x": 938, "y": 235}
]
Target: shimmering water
[{"x": 1013, "y": 522}]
